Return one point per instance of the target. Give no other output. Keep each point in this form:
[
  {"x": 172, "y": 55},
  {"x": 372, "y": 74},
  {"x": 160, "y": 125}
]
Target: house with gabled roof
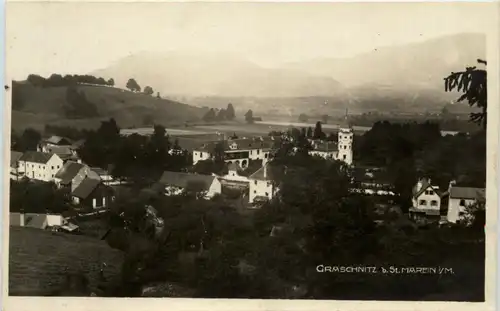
[
  {"x": 427, "y": 199},
  {"x": 239, "y": 151},
  {"x": 54, "y": 222},
  {"x": 261, "y": 185},
  {"x": 177, "y": 182},
  {"x": 460, "y": 198},
  {"x": 92, "y": 193},
  {"x": 72, "y": 173},
  {"x": 39, "y": 165},
  {"x": 64, "y": 147}
]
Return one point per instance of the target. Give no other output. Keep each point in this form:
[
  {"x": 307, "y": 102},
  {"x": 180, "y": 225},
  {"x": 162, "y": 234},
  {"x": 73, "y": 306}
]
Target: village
[{"x": 92, "y": 189}]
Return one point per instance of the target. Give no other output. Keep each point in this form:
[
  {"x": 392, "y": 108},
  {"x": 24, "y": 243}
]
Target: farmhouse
[
  {"x": 39, "y": 165},
  {"x": 460, "y": 198},
  {"x": 178, "y": 182},
  {"x": 92, "y": 193},
  {"x": 427, "y": 200},
  {"x": 238, "y": 151},
  {"x": 261, "y": 184},
  {"x": 72, "y": 174}
]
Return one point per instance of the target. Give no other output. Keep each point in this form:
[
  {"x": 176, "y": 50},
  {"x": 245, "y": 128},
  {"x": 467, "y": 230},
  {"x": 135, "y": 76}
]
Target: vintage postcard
[{"x": 250, "y": 156}]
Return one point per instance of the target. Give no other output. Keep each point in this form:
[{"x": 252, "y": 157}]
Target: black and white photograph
[{"x": 231, "y": 150}]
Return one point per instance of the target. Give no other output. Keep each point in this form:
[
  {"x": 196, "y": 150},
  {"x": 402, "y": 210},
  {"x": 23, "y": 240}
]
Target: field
[
  {"x": 38, "y": 259},
  {"x": 43, "y": 106}
]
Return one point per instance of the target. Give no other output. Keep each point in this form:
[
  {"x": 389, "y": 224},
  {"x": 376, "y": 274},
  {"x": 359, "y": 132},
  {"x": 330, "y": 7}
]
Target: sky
[{"x": 77, "y": 38}]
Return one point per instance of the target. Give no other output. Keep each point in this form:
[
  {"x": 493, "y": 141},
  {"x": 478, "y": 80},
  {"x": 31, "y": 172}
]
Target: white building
[
  {"x": 426, "y": 199},
  {"x": 261, "y": 186},
  {"x": 233, "y": 174},
  {"x": 177, "y": 182},
  {"x": 73, "y": 173},
  {"x": 239, "y": 151},
  {"x": 342, "y": 150},
  {"x": 39, "y": 165},
  {"x": 460, "y": 198},
  {"x": 41, "y": 221}
]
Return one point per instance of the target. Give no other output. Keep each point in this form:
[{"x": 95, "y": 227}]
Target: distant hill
[
  {"x": 202, "y": 74},
  {"x": 44, "y": 105},
  {"x": 405, "y": 77}
]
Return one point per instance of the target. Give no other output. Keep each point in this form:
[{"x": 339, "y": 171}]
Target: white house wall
[
  {"x": 454, "y": 208},
  {"x": 260, "y": 188},
  {"x": 39, "y": 171},
  {"x": 428, "y": 198}
]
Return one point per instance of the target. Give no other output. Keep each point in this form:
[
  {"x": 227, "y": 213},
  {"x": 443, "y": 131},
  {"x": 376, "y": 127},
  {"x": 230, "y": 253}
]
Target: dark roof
[
  {"x": 40, "y": 260},
  {"x": 467, "y": 193},
  {"x": 85, "y": 188},
  {"x": 181, "y": 180},
  {"x": 78, "y": 143},
  {"x": 264, "y": 173},
  {"x": 69, "y": 170},
  {"x": 14, "y": 157},
  {"x": 325, "y": 146},
  {"x": 36, "y": 157},
  {"x": 242, "y": 144},
  {"x": 60, "y": 150},
  {"x": 426, "y": 183},
  {"x": 58, "y": 140}
]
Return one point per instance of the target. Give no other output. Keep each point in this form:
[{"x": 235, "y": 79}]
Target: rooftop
[
  {"x": 36, "y": 157},
  {"x": 69, "y": 170},
  {"x": 58, "y": 140},
  {"x": 14, "y": 157},
  {"x": 267, "y": 172},
  {"x": 85, "y": 188},
  {"x": 467, "y": 193},
  {"x": 182, "y": 180},
  {"x": 40, "y": 260},
  {"x": 238, "y": 144}
]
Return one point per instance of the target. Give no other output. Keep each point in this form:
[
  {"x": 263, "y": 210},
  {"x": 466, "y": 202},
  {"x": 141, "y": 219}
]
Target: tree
[
  {"x": 221, "y": 115},
  {"x": 318, "y": 132},
  {"x": 111, "y": 82},
  {"x": 29, "y": 140},
  {"x": 210, "y": 116},
  {"x": 18, "y": 100},
  {"x": 133, "y": 85},
  {"x": 230, "y": 113},
  {"x": 148, "y": 90},
  {"x": 472, "y": 83},
  {"x": 249, "y": 116},
  {"x": 309, "y": 132},
  {"x": 36, "y": 80},
  {"x": 303, "y": 118}
]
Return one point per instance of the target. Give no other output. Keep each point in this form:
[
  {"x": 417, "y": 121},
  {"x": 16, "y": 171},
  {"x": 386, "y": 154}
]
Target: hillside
[
  {"x": 201, "y": 74},
  {"x": 406, "y": 77},
  {"x": 40, "y": 106}
]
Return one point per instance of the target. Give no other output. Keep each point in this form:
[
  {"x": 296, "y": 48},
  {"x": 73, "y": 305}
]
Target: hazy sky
[{"x": 44, "y": 38}]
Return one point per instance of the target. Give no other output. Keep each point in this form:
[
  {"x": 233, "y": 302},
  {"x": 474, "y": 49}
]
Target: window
[
  {"x": 255, "y": 191},
  {"x": 255, "y": 182},
  {"x": 267, "y": 194},
  {"x": 52, "y": 166},
  {"x": 423, "y": 202},
  {"x": 52, "y": 175},
  {"x": 265, "y": 155},
  {"x": 344, "y": 157},
  {"x": 434, "y": 203},
  {"x": 462, "y": 202},
  {"x": 258, "y": 151},
  {"x": 58, "y": 167},
  {"x": 429, "y": 192}
]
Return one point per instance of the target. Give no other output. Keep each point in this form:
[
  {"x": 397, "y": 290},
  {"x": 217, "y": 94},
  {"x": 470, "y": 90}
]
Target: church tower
[{"x": 345, "y": 141}]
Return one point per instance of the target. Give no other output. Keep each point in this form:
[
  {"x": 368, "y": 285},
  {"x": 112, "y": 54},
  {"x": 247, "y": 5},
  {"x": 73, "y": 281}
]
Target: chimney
[
  {"x": 451, "y": 184},
  {"x": 21, "y": 218}
]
